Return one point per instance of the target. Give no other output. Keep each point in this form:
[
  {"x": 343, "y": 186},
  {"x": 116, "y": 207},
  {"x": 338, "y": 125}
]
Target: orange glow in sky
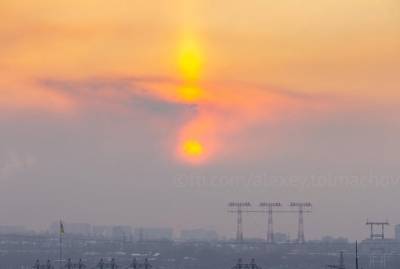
[
  {"x": 219, "y": 58},
  {"x": 190, "y": 94},
  {"x": 196, "y": 139}
]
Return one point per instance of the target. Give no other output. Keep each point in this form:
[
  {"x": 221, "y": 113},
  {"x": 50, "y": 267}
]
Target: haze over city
[{"x": 160, "y": 113}]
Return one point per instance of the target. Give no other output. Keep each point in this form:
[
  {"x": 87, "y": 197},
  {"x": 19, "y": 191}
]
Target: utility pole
[
  {"x": 356, "y": 254},
  {"x": 62, "y": 231}
]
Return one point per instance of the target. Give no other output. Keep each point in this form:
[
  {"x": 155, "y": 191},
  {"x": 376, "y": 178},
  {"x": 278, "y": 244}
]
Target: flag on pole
[
  {"x": 62, "y": 231},
  {"x": 61, "y": 236}
]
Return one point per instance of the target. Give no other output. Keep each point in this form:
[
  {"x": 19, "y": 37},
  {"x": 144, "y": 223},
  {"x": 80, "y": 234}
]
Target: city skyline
[{"x": 93, "y": 229}]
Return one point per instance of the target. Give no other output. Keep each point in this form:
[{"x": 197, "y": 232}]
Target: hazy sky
[{"x": 159, "y": 113}]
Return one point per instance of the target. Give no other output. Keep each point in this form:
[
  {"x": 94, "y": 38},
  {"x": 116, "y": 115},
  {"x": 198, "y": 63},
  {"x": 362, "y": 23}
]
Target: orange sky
[{"x": 212, "y": 50}]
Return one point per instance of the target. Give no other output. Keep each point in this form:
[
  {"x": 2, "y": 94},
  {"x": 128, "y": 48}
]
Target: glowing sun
[{"x": 192, "y": 148}]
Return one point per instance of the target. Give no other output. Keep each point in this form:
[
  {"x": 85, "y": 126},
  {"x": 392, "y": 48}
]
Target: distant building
[
  {"x": 102, "y": 231},
  {"x": 199, "y": 235},
  {"x": 83, "y": 229},
  {"x": 13, "y": 229},
  {"x": 337, "y": 240},
  {"x": 281, "y": 238},
  {"x": 78, "y": 228},
  {"x": 143, "y": 234},
  {"x": 122, "y": 232},
  {"x": 397, "y": 232}
]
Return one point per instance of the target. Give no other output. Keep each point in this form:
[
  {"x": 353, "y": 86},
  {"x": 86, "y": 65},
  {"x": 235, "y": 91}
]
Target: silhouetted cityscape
[{"x": 120, "y": 246}]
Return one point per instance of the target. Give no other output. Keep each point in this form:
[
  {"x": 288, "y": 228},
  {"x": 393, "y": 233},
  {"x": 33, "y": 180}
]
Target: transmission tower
[
  {"x": 146, "y": 264},
  {"x": 270, "y": 223},
  {"x": 134, "y": 264},
  {"x": 241, "y": 265},
  {"x": 374, "y": 235},
  {"x": 341, "y": 263},
  {"x": 71, "y": 265},
  {"x": 238, "y": 209},
  {"x": 301, "y": 210},
  {"x": 37, "y": 265},
  {"x": 377, "y": 257},
  {"x": 107, "y": 265}
]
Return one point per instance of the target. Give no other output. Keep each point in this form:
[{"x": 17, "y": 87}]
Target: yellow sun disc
[{"x": 193, "y": 148}]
